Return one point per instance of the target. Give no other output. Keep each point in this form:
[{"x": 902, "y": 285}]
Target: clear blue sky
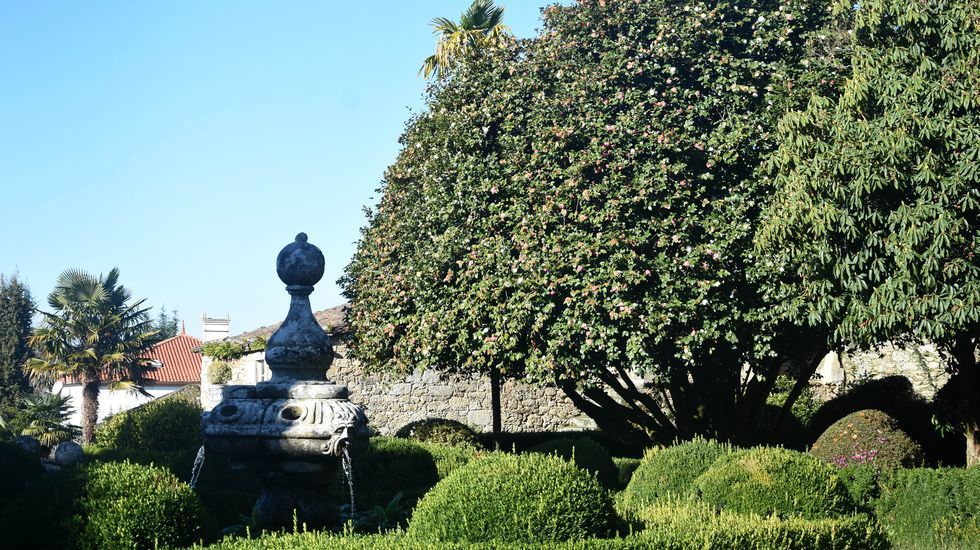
[{"x": 187, "y": 142}]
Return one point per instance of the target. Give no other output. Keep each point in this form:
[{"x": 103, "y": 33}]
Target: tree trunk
[
  {"x": 964, "y": 352},
  {"x": 495, "y": 403},
  {"x": 90, "y": 409}
]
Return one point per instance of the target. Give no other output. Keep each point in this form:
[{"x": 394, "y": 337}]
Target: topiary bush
[
  {"x": 685, "y": 525},
  {"x": 160, "y": 425},
  {"x": 777, "y": 481},
  {"x": 587, "y": 454},
  {"x": 439, "y": 430},
  {"x": 867, "y": 437},
  {"x": 926, "y": 508},
  {"x": 671, "y": 471},
  {"x": 626, "y": 467},
  {"x": 449, "y": 458},
  {"x": 18, "y": 469},
  {"x": 391, "y": 466},
  {"x": 127, "y": 505},
  {"x": 514, "y": 498},
  {"x": 46, "y": 515},
  {"x": 219, "y": 372}
]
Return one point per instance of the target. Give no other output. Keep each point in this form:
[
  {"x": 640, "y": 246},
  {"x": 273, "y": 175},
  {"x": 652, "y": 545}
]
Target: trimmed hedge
[
  {"x": 867, "y": 436},
  {"x": 587, "y": 454},
  {"x": 685, "y": 525},
  {"x": 926, "y": 508},
  {"x": 777, "y": 481},
  {"x": 514, "y": 498},
  {"x": 626, "y": 467},
  {"x": 671, "y": 471},
  {"x": 439, "y": 430},
  {"x": 391, "y": 466},
  {"x": 127, "y": 505},
  {"x": 219, "y": 372},
  {"x": 44, "y": 516},
  {"x": 160, "y": 425},
  {"x": 449, "y": 458},
  {"x": 18, "y": 469}
]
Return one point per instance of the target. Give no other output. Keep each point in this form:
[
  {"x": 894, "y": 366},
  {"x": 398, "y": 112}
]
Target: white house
[{"x": 177, "y": 365}]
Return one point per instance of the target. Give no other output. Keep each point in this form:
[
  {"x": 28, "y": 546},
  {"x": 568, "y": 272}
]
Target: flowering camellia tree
[{"x": 579, "y": 210}]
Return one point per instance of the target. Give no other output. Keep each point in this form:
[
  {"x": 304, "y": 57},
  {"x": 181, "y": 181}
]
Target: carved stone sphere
[{"x": 300, "y": 263}]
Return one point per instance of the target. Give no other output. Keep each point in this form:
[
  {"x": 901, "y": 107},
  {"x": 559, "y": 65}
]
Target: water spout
[
  {"x": 196, "y": 470},
  {"x": 345, "y": 462}
]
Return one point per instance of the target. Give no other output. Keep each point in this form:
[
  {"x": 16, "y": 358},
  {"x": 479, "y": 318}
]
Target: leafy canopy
[{"x": 579, "y": 209}]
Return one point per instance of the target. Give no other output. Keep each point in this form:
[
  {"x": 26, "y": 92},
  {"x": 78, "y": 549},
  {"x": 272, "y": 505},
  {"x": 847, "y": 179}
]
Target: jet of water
[
  {"x": 198, "y": 463},
  {"x": 345, "y": 462}
]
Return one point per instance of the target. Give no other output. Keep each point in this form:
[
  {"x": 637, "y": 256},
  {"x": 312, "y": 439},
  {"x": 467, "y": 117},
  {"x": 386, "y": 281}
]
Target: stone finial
[{"x": 300, "y": 264}]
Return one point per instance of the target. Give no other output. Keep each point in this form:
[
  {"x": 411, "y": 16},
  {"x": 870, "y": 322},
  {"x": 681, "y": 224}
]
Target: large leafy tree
[
  {"x": 578, "y": 210},
  {"x": 16, "y": 310},
  {"x": 479, "y": 27},
  {"x": 95, "y": 335},
  {"x": 875, "y": 224}
]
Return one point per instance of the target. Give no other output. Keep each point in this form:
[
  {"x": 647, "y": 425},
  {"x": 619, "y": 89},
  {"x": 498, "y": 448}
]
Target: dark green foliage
[
  {"x": 924, "y": 508},
  {"x": 16, "y": 309},
  {"x": 626, "y": 467},
  {"x": 867, "y": 437},
  {"x": 160, "y": 425},
  {"x": 18, "y": 469},
  {"x": 166, "y": 324},
  {"x": 514, "y": 498},
  {"x": 46, "y": 516},
  {"x": 787, "y": 427},
  {"x": 391, "y": 466},
  {"x": 586, "y": 201},
  {"x": 587, "y": 454},
  {"x": 875, "y": 222},
  {"x": 45, "y": 416},
  {"x": 682, "y": 526},
  {"x": 439, "y": 430},
  {"x": 671, "y": 471},
  {"x": 134, "y": 507},
  {"x": 775, "y": 481},
  {"x": 862, "y": 482}
]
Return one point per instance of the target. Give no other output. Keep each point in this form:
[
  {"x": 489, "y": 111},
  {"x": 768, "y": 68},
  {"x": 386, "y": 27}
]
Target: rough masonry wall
[
  {"x": 923, "y": 366},
  {"x": 390, "y": 402}
]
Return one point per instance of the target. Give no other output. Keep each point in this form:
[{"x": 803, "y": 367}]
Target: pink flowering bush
[{"x": 867, "y": 437}]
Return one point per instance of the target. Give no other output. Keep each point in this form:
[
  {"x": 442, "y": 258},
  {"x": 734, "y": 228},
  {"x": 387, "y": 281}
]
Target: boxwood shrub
[
  {"x": 767, "y": 481},
  {"x": 867, "y": 436},
  {"x": 126, "y": 505},
  {"x": 926, "y": 508},
  {"x": 684, "y": 525},
  {"x": 160, "y": 425},
  {"x": 514, "y": 499},
  {"x": 439, "y": 430},
  {"x": 626, "y": 467},
  {"x": 671, "y": 471},
  {"x": 587, "y": 454},
  {"x": 449, "y": 458},
  {"x": 391, "y": 466}
]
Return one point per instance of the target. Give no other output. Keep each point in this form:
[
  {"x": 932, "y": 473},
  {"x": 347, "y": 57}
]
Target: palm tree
[
  {"x": 95, "y": 336},
  {"x": 47, "y": 417},
  {"x": 479, "y": 26}
]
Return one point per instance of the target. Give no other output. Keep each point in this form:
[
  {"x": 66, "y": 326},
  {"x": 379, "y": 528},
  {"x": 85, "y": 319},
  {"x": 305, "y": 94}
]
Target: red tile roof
[{"x": 181, "y": 364}]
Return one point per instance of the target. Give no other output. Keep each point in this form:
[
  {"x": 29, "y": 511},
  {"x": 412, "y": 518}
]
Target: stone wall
[
  {"x": 393, "y": 401},
  {"x": 922, "y": 365}
]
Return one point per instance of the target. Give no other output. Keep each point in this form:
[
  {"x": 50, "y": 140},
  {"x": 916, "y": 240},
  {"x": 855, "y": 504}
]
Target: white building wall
[{"x": 110, "y": 402}]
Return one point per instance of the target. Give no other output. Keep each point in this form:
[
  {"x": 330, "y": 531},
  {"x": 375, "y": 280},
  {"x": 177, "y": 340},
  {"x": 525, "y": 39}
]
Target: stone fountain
[{"x": 296, "y": 429}]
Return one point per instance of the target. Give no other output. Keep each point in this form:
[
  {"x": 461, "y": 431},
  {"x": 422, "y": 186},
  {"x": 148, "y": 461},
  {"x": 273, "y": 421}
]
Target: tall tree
[
  {"x": 480, "y": 26},
  {"x": 876, "y": 223},
  {"x": 578, "y": 210},
  {"x": 166, "y": 323},
  {"x": 94, "y": 334},
  {"x": 16, "y": 310}
]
